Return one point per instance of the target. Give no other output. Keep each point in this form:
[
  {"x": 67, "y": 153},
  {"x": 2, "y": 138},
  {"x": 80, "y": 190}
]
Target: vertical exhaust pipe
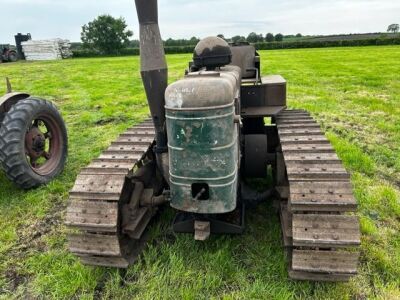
[
  {"x": 8, "y": 84},
  {"x": 154, "y": 73},
  {"x": 154, "y": 68}
]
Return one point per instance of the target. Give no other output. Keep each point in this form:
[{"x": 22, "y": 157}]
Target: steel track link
[
  {"x": 93, "y": 212},
  {"x": 320, "y": 235}
]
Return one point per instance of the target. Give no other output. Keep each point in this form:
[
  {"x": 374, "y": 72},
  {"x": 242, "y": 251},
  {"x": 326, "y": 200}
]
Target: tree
[
  {"x": 255, "y": 38},
  {"x": 193, "y": 41},
  {"x": 106, "y": 34},
  {"x": 252, "y": 37},
  {"x": 279, "y": 37},
  {"x": 394, "y": 28},
  {"x": 238, "y": 38},
  {"x": 299, "y": 35},
  {"x": 134, "y": 44},
  {"x": 221, "y": 36},
  {"x": 269, "y": 37}
]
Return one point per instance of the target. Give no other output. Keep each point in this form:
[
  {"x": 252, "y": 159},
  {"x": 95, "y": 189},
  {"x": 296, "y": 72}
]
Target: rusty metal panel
[
  {"x": 144, "y": 126},
  {"x": 299, "y": 115},
  {"x": 116, "y": 162},
  {"x": 244, "y": 57},
  {"x": 129, "y": 143},
  {"x": 136, "y": 134},
  {"x": 106, "y": 183},
  {"x": 307, "y": 139},
  {"x": 322, "y": 196},
  {"x": 323, "y": 205},
  {"x": 299, "y": 118},
  {"x": 325, "y": 261},
  {"x": 296, "y": 122},
  {"x": 135, "y": 140},
  {"x": 308, "y": 148},
  {"x": 109, "y": 166},
  {"x": 139, "y": 219},
  {"x": 202, "y": 230},
  {"x": 309, "y": 276},
  {"x": 312, "y": 158},
  {"x": 320, "y": 171},
  {"x": 94, "y": 202},
  {"x": 280, "y": 174},
  {"x": 105, "y": 187},
  {"x": 316, "y": 187},
  {"x": 263, "y": 111},
  {"x": 139, "y": 132},
  {"x": 122, "y": 156},
  {"x": 286, "y": 225},
  {"x": 325, "y": 230},
  {"x": 295, "y": 111},
  {"x": 101, "y": 244},
  {"x": 98, "y": 216},
  {"x": 271, "y": 91},
  {"x": 129, "y": 147},
  {"x": 318, "y": 184},
  {"x": 296, "y": 132},
  {"x": 298, "y": 126},
  {"x": 322, "y": 202},
  {"x": 105, "y": 261}
]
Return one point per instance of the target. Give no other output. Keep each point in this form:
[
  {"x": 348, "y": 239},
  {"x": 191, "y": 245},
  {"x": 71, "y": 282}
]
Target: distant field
[{"x": 354, "y": 93}]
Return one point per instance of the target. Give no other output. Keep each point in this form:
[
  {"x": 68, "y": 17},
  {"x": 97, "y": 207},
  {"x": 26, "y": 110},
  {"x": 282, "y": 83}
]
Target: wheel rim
[{"x": 43, "y": 145}]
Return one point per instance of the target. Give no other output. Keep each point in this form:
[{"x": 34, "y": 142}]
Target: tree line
[
  {"x": 251, "y": 38},
  {"x": 110, "y": 36}
]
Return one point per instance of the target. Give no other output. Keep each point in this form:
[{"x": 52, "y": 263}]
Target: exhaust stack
[
  {"x": 8, "y": 84},
  {"x": 154, "y": 68}
]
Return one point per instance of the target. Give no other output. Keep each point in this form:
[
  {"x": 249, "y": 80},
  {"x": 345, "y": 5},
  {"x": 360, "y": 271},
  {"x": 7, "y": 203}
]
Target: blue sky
[{"x": 186, "y": 18}]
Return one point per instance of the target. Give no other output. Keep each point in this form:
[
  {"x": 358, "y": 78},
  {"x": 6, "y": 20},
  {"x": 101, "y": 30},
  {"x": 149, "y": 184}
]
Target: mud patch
[
  {"x": 30, "y": 240},
  {"x": 114, "y": 120},
  {"x": 30, "y": 237},
  {"x": 98, "y": 290},
  {"x": 14, "y": 280}
]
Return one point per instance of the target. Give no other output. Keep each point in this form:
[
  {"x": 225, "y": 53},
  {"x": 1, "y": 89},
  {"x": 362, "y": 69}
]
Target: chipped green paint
[
  {"x": 203, "y": 149},
  {"x": 203, "y": 143}
]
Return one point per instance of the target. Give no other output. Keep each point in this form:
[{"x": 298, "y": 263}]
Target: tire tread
[{"x": 11, "y": 132}]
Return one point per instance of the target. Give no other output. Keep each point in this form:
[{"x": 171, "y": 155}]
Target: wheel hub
[{"x": 35, "y": 143}]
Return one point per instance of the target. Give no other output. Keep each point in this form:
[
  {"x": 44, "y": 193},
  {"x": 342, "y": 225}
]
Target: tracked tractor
[
  {"x": 7, "y": 54},
  {"x": 210, "y": 133},
  {"x": 33, "y": 139}
]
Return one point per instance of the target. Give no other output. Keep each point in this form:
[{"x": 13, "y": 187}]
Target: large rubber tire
[
  {"x": 12, "y": 56},
  {"x": 13, "y": 130}
]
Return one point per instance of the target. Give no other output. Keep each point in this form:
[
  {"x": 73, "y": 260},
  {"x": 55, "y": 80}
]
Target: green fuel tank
[{"x": 203, "y": 142}]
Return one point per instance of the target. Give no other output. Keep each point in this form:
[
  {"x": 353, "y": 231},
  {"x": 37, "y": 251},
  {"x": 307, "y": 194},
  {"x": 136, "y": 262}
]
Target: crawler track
[
  {"x": 320, "y": 234},
  {"x": 93, "y": 211}
]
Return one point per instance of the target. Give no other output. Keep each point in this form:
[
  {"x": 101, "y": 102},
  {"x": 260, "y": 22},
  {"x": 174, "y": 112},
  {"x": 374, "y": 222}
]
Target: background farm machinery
[{"x": 12, "y": 54}]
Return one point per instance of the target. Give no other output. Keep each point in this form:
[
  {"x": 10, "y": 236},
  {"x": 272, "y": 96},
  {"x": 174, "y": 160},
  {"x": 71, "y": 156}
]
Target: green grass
[{"x": 353, "y": 92}]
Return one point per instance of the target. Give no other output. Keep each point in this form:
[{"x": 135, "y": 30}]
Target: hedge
[
  {"x": 93, "y": 53},
  {"x": 324, "y": 44},
  {"x": 259, "y": 46},
  {"x": 130, "y": 51}
]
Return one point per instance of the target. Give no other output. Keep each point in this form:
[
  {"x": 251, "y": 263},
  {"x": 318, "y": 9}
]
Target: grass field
[{"x": 354, "y": 93}]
